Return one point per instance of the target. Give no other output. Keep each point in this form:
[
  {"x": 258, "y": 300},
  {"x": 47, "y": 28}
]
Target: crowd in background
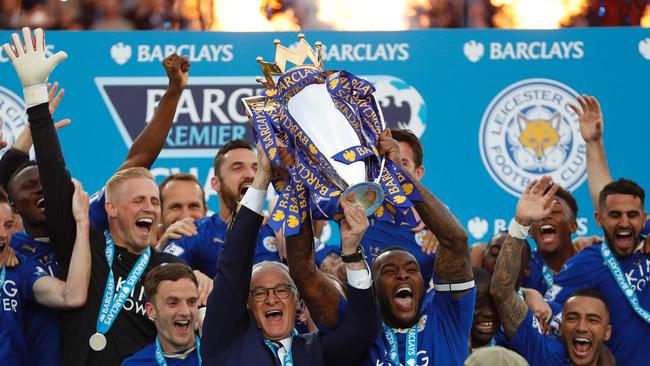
[{"x": 204, "y": 14}]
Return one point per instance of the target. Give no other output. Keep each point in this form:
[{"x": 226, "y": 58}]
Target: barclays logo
[
  {"x": 536, "y": 50},
  {"x": 366, "y": 52},
  {"x": 477, "y": 227},
  {"x": 528, "y": 131},
  {"x": 644, "y": 48},
  {"x": 473, "y": 50},
  {"x": 121, "y": 53}
]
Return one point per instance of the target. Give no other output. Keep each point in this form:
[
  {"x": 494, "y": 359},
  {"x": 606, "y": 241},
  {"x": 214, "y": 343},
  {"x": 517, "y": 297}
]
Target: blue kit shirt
[
  {"x": 587, "y": 269},
  {"x": 146, "y": 357},
  {"x": 15, "y": 293},
  {"x": 201, "y": 251},
  {"x": 443, "y": 332}
]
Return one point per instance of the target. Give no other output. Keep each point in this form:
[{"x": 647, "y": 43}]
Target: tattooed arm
[
  {"x": 319, "y": 291},
  {"x": 532, "y": 206},
  {"x": 452, "y": 259}
]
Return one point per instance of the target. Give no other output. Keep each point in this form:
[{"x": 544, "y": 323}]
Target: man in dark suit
[{"x": 251, "y": 313}]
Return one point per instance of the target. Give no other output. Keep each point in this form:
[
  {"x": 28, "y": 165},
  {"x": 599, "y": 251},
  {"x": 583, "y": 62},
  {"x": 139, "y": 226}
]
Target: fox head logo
[{"x": 539, "y": 135}]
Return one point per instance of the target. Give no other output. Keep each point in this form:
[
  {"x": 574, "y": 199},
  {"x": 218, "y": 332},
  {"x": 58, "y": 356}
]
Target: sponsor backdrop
[{"x": 490, "y": 106}]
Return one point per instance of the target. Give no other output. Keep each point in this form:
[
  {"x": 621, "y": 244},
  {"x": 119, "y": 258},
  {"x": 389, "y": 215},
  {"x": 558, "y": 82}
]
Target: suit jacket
[{"x": 230, "y": 333}]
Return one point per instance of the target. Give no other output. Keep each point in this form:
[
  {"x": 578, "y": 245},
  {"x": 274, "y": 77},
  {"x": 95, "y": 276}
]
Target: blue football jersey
[
  {"x": 630, "y": 333},
  {"x": 146, "y": 357},
  {"x": 538, "y": 349},
  {"x": 535, "y": 279},
  {"x": 443, "y": 332},
  {"x": 15, "y": 293},
  {"x": 42, "y": 323},
  {"x": 201, "y": 251}
]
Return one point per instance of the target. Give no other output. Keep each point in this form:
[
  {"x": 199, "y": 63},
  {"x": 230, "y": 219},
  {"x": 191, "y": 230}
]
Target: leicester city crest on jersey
[
  {"x": 529, "y": 131},
  {"x": 12, "y": 115}
]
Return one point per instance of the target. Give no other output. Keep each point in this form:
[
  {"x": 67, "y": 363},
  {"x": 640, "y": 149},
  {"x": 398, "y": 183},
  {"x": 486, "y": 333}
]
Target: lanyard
[
  {"x": 622, "y": 282},
  {"x": 3, "y": 274},
  {"x": 112, "y": 302},
  {"x": 161, "y": 359},
  {"x": 547, "y": 275},
  {"x": 411, "y": 346},
  {"x": 288, "y": 357}
]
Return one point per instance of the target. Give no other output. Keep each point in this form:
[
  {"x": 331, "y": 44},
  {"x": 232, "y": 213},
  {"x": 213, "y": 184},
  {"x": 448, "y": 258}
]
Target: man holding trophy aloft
[{"x": 331, "y": 127}]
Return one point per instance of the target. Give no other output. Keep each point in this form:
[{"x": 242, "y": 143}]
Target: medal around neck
[
  {"x": 329, "y": 121},
  {"x": 97, "y": 342}
]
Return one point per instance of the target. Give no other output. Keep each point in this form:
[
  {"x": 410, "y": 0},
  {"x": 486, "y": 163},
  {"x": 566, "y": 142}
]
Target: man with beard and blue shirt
[
  {"x": 586, "y": 324},
  {"x": 26, "y": 194},
  {"x": 618, "y": 269},
  {"x": 234, "y": 168},
  {"x": 28, "y": 283}
]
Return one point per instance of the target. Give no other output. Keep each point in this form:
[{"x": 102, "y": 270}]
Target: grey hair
[{"x": 265, "y": 265}]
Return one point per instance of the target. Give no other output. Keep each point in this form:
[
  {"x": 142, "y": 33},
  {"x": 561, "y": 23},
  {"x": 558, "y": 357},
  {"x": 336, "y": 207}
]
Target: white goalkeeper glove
[{"x": 31, "y": 65}]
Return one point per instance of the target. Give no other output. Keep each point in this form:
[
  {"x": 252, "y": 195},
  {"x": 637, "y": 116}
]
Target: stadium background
[{"x": 443, "y": 84}]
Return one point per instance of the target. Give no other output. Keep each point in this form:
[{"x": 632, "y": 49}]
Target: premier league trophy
[{"x": 330, "y": 122}]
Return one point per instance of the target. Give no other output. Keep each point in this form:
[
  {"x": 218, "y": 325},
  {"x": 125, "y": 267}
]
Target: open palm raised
[
  {"x": 591, "y": 117},
  {"x": 534, "y": 204}
]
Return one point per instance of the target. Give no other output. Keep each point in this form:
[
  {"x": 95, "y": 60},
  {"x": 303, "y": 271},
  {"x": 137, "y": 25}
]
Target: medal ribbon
[
  {"x": 547, "y": 275},
  {"x": 623, "y": 284},
  {"x": 160, "y": 359},
  {"x": 112, "y": 302},
  {"x": 411, "y": 346},
  {"x": 3, "y": 274}
]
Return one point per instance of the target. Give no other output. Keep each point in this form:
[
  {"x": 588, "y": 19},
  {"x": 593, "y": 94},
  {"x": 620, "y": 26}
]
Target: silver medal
[{"x": 97, "y": 342}]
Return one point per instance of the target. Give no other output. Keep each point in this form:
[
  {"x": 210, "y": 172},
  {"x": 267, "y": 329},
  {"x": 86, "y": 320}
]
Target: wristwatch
[{"x": 354, "y": 257}]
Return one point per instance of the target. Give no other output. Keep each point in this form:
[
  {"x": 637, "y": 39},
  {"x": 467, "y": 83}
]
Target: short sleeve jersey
[
  {"x": 201, "y": 251},
  {"x": 443, "y": 332},
  {"x": 630, "y": 333},
  {"x": 15, "y": 292}
]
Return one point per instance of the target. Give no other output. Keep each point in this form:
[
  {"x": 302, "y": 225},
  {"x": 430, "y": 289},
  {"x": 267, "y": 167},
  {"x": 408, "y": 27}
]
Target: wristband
[
  {"x": 517, "y": 230},
  {"x": 35, "y": 95},
  {"x": 354, "y": 257}
]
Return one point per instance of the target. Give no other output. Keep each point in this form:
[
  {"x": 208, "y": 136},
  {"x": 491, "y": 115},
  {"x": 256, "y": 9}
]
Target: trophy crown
[{"x": 297, "y": 56}]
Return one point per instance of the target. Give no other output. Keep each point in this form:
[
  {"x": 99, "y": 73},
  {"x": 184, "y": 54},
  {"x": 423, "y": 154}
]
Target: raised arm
[
  {"x": 146, "y": 147},
  {"x": 52, "y": 292},
  {"x": 591, "y": 129},
  {"x": 350, "y": 341},
  {"x": 33, "y": 69},
  {"x": 532, "y": 206},
  {"x": 226, "y": 311},
  {"x": 452, "y": 263},
  {"x": 318, "y": 290},
  {"x": 18, "y": 154}
]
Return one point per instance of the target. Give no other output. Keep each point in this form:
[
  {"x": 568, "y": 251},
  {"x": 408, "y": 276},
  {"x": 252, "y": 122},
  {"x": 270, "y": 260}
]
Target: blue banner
[{"x": 490, "y": 106}]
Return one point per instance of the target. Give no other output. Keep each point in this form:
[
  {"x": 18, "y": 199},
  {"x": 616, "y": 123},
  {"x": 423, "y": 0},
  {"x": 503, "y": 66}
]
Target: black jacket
[{"x": 231, "y": 336}]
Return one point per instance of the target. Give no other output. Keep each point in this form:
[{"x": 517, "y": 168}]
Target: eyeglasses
[{"x": 282, "y": 291}]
